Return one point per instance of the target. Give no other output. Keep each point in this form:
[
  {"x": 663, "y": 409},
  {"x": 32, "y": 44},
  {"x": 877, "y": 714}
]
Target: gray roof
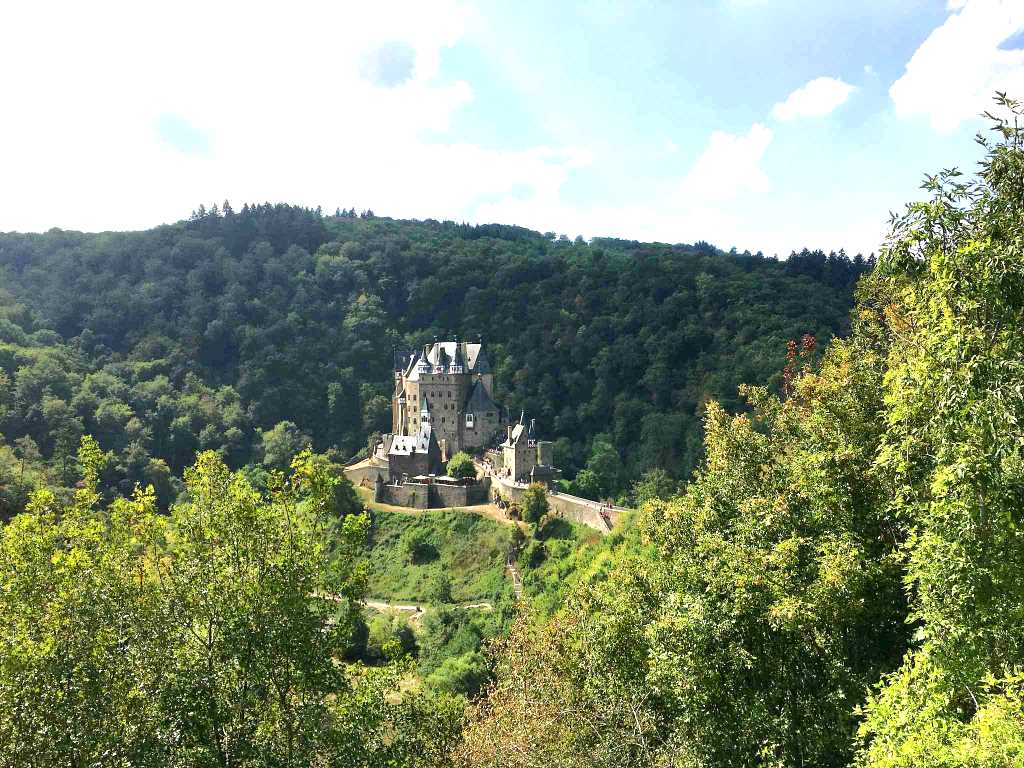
[
  {"x": 480, "y": 362},
  {"x": 410, "y": 372},
  {"x": 404, "y": 445},
  {"x": 448, "y": 350},
  {"x": 479, "y": 400}
]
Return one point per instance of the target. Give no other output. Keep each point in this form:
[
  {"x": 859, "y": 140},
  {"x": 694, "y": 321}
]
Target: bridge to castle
[{"x": 593, "y": 514}]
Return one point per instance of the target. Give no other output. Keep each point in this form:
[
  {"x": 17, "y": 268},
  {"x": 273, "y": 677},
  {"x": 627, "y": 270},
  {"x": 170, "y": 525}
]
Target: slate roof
[
  {"x": 448, "y": 350},
  {"x": 406, "y": 445},
  {"x": 479, "y": 400},
  {"x": 480, "y": 362}
]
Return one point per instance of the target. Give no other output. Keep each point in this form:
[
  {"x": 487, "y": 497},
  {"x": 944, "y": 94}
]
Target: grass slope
[{"x": 469, "y": 549}]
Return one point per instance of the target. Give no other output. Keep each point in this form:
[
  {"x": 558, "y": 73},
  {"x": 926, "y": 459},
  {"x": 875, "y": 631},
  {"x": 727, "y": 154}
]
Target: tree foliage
[
  {"x": 209, "y": 637},
  {"x": 461, "y": 465},
  {"x": 842, "y": 580},
  {"x": 210, "y": 334},
  {"x": 534, "y": 503}
]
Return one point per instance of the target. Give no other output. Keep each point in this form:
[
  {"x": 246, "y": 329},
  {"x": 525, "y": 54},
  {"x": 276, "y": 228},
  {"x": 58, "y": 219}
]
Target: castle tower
[{"x": 447, "y": 384}]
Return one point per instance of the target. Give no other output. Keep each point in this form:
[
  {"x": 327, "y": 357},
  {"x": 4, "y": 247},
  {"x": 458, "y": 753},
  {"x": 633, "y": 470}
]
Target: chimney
[{"x": 509, "y": 428}]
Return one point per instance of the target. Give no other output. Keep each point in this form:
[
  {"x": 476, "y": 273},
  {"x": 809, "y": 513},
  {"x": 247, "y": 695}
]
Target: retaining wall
[
  {"x": 412, "y": 495},
  {"x": 435, "y": 495},
  {"x": 443, "y": 495},
  {"x": 365, "y": 474},
  {"x": 572, "y": 508}
]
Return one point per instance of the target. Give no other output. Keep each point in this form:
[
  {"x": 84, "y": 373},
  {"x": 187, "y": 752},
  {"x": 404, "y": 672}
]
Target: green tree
[
  {"x": 954, "y": 266},
  {"x": 586, "y": 484},
  {"x": 772, "y": 598},
  {"x": 281, "y": 443},
  {"x": 441, "y": 588},
  {"x": 654, "y": 485},
  {"x": 534, "y": 503},
  {"x": 606, "y": 465},
  {"x": 461, "y": 465},
  {"x": 210, "y": 637}
]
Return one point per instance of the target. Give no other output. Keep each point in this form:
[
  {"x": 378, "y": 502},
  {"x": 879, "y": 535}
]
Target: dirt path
[{"x": 416, "y": 610}]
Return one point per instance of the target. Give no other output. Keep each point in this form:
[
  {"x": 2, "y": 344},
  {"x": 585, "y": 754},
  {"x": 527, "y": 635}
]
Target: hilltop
[{"x": 253, "y": 332}]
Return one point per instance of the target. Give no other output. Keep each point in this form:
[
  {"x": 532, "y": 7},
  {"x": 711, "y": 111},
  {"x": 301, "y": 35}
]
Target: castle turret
[
  {"x": 440, "y": 359},
  {"x": 458, "y": 363}
]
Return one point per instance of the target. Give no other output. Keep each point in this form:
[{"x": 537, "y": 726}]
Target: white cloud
[
  {"x": 953, "y": 74},
  {"x": 819, "y": 97},
  {"x": 706, "y": 203},
  {"x": 281, "y": 101},
  {"x": 730, "y": 165}
]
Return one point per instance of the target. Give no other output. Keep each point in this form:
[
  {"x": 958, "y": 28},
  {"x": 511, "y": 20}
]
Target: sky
[{"x": 766, "y": 125}]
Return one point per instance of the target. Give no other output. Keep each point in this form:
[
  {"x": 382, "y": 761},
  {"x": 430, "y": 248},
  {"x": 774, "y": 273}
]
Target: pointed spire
[{"x": 458, "y": 364}]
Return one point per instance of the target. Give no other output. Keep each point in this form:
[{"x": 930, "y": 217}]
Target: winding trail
[{"x": 416, "y": 610}]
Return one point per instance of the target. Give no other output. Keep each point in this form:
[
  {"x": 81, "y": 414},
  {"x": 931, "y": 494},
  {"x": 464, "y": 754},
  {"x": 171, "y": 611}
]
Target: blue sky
[{"x": 762, "y": 124}]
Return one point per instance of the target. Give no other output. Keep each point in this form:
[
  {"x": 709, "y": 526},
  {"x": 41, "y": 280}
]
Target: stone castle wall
[
  {"x": 571, "y": 508},
  {"x": 413, "y": 495},
  {"x": 435, "y": 495},
  {"x": 365, "y": 473}
]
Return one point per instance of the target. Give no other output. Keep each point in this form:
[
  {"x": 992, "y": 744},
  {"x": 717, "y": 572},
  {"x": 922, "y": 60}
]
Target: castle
[
  {"x": 443, "y": 404},
  {"x": 447, "y": 385}
]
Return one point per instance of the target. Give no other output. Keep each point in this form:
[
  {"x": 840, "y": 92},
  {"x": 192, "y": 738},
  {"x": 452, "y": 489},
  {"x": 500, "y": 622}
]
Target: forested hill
[{"x": 211, "y": 332}]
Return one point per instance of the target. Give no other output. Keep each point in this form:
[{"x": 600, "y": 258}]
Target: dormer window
[{"x": 469, "y": 420}]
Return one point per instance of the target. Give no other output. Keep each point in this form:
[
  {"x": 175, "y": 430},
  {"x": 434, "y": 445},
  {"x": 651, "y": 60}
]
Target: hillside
[{"x": 250, "y": 333}]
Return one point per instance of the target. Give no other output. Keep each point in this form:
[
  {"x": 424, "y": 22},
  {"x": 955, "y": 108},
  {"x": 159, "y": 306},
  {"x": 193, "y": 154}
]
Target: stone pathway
[{"x": 517, "y": 579}]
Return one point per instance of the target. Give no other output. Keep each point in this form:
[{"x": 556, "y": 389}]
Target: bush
[
  {"x": 441, "y": 589},
  {"x": 465, "y": 674},
  {"x": 416, "y": 546}
]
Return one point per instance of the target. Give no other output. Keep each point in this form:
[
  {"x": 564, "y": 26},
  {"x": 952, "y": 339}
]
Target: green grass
[{"x": 468, "y": 548}]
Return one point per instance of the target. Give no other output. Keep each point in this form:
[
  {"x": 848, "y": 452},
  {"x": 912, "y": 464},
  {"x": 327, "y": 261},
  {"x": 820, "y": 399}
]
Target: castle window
[{"x": 469, "y": 420}]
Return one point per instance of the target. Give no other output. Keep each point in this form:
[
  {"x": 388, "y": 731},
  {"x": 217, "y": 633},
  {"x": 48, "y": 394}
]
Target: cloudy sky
[{"x": 761, "y": 124}]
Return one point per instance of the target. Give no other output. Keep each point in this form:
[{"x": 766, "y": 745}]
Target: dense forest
[
  {"x": 839, "y": 581},
  {"x": 254, "y": 333}
]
